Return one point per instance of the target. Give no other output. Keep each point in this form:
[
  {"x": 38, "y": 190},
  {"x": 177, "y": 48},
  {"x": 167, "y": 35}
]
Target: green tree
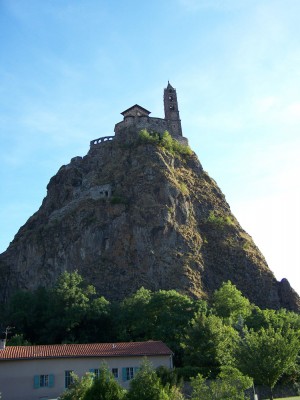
[
  {"x": 267, "y": 354},
  {"x": 104, "y": 387},
  {"x": 96, "y": 324},
  {"x": 174, "y": 393},
  {"x": 131, "y": 320},
  {"x": 18, "y": 340},
  {"x": 229, "y": 385},
  {"x": 79, "y": 387},
  {"x": 228, "y": 302},
  {"x": 162, "y": 315},
  {"x": 27, "y": 312},
  {"x": 70, "y": 303},
  {"x": 209, "y": 343},
  {"x": 278, "y": 319},
  {"x": 146, "y": 385},
  {"x": 169, "y": 314}
]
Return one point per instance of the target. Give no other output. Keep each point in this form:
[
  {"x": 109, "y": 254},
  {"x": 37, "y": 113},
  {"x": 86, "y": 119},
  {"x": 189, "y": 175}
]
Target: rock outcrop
[{"x": 132, "y": 214}]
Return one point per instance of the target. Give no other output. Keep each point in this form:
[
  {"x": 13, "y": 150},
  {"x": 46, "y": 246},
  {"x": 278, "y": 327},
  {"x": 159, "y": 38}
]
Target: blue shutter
[
  {"x": 93, "y": 371},
  {"x": 51, "y": 380},
  {"x": 36, "y": 381},
  {"x": 124, "y": 374},
  {"x": 136, "y": 370}
]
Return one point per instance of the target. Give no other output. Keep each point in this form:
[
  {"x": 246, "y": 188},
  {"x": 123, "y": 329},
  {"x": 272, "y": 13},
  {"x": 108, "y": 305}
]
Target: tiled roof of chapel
[{"x": 123, "y": 349}]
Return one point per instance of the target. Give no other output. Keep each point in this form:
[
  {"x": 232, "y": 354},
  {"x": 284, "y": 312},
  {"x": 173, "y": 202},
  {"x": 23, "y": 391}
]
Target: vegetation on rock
[{"x": 165, "y": 141}]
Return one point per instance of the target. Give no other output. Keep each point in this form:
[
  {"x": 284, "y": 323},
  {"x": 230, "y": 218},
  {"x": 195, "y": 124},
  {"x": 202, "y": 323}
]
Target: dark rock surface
[{"x": 129, "y": 215}]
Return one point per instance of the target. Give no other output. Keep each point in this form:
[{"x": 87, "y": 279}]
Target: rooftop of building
[{"x": 122, "y": 349}]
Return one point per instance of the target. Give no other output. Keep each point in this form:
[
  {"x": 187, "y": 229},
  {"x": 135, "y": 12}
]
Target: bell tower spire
[{"x": 172, "y": 111}]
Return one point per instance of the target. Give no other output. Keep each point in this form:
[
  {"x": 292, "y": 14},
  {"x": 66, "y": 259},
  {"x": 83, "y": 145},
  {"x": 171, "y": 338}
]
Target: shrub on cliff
[{"x": 166, "y": 141}]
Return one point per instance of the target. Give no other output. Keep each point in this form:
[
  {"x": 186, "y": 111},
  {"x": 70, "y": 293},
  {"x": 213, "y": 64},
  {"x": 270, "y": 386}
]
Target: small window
[
  {"x": 44, "y": 380},
  {"x": 115, "y": 372},
  {"x": 171, "y": 107},
  {"x": 68, "y": 378},
  {"x": 41, "y": 381},
  {"x": 171, "y": 98},
  {"x": 97, "y": 372},
  {"x": 129, "y": 373}
]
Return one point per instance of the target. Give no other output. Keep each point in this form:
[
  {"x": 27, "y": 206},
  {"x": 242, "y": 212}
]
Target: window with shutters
[
  {"x": 128, "y": 373},
  {"x": 45, "y": 380},
  {"x": 95, "y": 371}
]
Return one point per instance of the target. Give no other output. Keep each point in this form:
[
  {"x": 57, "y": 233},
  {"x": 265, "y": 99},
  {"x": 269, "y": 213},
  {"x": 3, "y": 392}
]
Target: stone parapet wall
[
  {"x": 101, "y": 140},
  {"x": 126, "y": 130}
]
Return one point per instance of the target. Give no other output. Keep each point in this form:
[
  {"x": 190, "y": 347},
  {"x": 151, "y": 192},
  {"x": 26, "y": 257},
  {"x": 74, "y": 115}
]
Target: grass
[{"x": 287, "y": 398}]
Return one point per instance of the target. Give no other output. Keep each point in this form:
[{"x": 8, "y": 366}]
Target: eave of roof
[{"x": 123, "y": 349}]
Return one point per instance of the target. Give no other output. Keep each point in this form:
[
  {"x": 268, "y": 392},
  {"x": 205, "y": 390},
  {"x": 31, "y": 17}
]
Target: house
[{"x": 43, "y": 372}]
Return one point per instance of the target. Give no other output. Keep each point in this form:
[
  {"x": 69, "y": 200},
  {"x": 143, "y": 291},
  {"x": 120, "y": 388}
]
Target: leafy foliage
[
  {"x": 168, "y": 314},
  {"x": 267, "y": 353},
  {"x": 229, "y": 385},
  {"x": 146, "y": 385},
  {"x": 228, "y": 332},
  {"x": 89, "y": 387},
  {"x": 209, "y": 343},
  {"x": 68, "y": 312},
  {"x": 228, "y": 302},
  {"x": 166, "y": 141},
  {"x": 18, "y": 340},
  {"x": 77, "y": 390},
  {"x": 104, "y": 387},
  {"x": 219, "y": 221}
]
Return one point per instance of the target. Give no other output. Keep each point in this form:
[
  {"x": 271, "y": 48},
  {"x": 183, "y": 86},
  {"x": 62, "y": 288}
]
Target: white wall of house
[{"x": 17, "y": 377}]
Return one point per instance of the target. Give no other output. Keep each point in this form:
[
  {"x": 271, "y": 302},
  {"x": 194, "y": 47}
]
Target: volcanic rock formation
[{"x": 133, "y": 213}]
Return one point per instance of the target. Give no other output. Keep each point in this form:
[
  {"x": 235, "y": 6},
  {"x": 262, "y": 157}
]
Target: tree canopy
[{"x": 267, "y": 353}]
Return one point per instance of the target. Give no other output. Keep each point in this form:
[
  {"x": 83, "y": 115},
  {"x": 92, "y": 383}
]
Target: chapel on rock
[{"x": 136, "y": 118}]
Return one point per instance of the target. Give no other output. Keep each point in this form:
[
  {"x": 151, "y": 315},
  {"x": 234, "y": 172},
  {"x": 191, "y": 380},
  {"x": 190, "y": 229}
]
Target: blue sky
[{"x": 69, "y": 67}]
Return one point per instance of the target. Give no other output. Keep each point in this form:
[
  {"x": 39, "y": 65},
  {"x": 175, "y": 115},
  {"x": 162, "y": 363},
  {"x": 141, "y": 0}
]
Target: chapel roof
[{"x": 136, "y": 106}]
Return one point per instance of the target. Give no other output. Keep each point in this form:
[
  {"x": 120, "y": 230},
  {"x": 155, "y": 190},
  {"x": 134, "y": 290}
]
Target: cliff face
[{"x": 132, "y": 214}]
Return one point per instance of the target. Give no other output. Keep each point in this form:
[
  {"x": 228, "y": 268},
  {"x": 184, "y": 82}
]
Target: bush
[
  {"x": 188, "y": 372},
  {"x": 146, "y": 385},
  {"x": 166, "y": 141},
  {"x": 219, "y": 221},
  {"x": 169, "y": 376},
  {"x": 230, "y": 385},
  {"x": 104, "y": 387},
  {"x": 149, "y": 137}
]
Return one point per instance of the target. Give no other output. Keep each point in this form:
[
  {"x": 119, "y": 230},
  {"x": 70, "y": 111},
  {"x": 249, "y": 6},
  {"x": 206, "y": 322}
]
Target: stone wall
[{"x": 159, "y": 125}]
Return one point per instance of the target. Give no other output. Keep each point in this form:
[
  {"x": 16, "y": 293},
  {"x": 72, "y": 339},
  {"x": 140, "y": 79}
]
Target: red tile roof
[{"x": 129, "y": 349}]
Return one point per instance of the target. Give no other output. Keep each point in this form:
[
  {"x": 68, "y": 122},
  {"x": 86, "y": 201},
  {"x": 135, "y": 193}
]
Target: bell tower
[{"x": 172, "y": 111}]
